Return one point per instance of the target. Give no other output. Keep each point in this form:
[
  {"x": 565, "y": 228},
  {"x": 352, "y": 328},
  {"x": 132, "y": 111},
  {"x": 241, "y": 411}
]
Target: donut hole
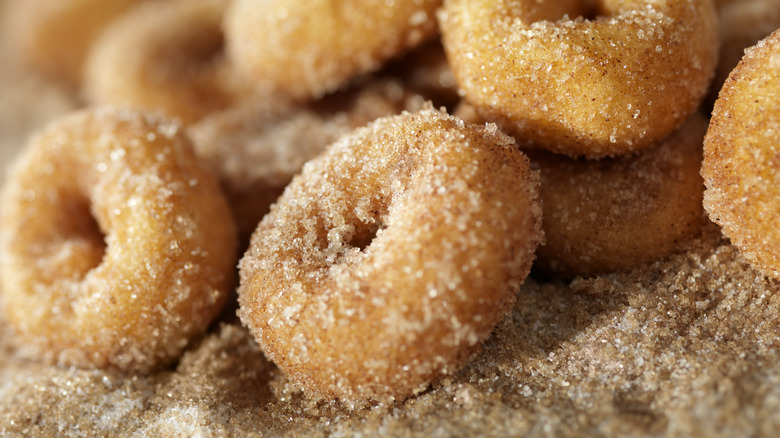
[
  {"x": 348, "y": 235},
  {"x": 84, "y": 243},
  {"x": 369, "y": 220},
  {"x": 191, "y": 54},
  {"x": 363, "y": 236},
  {"x": 190, "y": 60},
  {"x": 206, "y": 48},
  {"x": 591, "y": 10},
  {"x": 563, "y": 10},
  {"x": 601, "y": 8}
]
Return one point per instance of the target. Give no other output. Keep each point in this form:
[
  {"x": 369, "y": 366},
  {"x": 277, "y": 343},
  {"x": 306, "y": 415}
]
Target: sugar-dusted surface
[
  {"x": 617, "y": 213},
  {"x": 115, "y": 245},
  {"x": 258, "y": 147},
  {"x": 390, "y": 258},
  {"x": 166, "y": 57},
  {"x": 742, "y": 156},
  {"x": 308, "y": 51},
  {"x": 583, "y": 87},
  {"x": 685, "y": 347}
]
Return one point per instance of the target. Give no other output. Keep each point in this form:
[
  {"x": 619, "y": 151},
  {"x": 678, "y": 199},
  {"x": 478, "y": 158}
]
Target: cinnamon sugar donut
[
  {"x": 741, "y": 159},
  {"x": 116, "y": 247},
  {"x": 312, "y": 48},
  {"x": 392, "y": 256},
  {"x": 164, "y": 56},
  {"x": 615, "y": 214},
  {"x": 54, "y": 36},
  {"x": 596, "y": 87}
]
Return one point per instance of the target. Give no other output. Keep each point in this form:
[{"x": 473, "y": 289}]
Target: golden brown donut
[
  {"x": 54, "y": 36},
  {"x": 257, "y": 148},
  {"x": 311, "y": 49},
  {"x": 116, "y": 245},
  {"x": 392, "y": 256},
  {"x": 741, "y": 159},
  {"x": 164, "y": 56},
  {"x": 615, "y": 214},
  {"x": 591, "y": 87}
]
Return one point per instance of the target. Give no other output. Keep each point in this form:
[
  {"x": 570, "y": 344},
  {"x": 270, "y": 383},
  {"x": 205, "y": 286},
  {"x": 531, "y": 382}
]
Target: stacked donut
[{"x": 388, "y": 237}]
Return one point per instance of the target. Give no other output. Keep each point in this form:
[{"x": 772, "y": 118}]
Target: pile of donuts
[{"x": 388, "y": 173}]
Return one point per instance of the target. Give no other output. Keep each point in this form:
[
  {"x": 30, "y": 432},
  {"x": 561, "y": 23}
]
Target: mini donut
[
  {"x": 318, "y": 46},
  {"x": 596, "y": 87},
  {"x": 742, "y": 159},
  {"x": 54, "y": 36},
  {"x": 256, "y": 149},
  {"x": 615, "y": 214},
  {"x": 391, "y": 257},
  {"x": 742, "y": 24},
  {"x": 164, "y": 56},
  {"x": 116, "y": 247}
]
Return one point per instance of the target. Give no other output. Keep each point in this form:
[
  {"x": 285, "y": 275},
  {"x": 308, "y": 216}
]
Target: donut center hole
[
  {"x": 598, "y": 8},
  {"x": 363, "y": 236},
  {"x": 190, "y": 59},
  {"x": 209, "y": 48},
  {"x": 587, "y": 10},
  {"x": 85, "y": 240}
]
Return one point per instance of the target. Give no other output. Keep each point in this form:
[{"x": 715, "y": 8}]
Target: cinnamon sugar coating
[
  {"x": 391, "y": 257},
  {"x": 115, "y": 245},
  {"x": 742, "y": 157},
  {"x": 594, "y": 87},
  {"x": 615, "y": 214}
]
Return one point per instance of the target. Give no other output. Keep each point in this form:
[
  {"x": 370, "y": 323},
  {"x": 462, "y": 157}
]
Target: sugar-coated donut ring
[
  {"x": 116, "y": 244},
  {"x": 582, "y": 87},
  {"x": 615, "y": 214},
  {"x": 164, "y": 56},
  {"x": 742, "y": 160},
  {"x": 315, "y": 48},
  {"x": 392, "y": 256},
  {"x": 256, "y": 149},
  {"x": 54, "y": 36}
]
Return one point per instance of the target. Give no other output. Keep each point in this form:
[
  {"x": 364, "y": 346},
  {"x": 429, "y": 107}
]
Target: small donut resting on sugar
[
  {"x": 392, "y": 256},
  {"x": 116, "y": 244}
]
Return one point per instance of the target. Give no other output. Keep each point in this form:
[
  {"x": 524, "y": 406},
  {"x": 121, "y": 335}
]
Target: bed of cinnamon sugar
[
  {"x": 683, "y": 347},
  {"x": 687, "y": 346}
]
